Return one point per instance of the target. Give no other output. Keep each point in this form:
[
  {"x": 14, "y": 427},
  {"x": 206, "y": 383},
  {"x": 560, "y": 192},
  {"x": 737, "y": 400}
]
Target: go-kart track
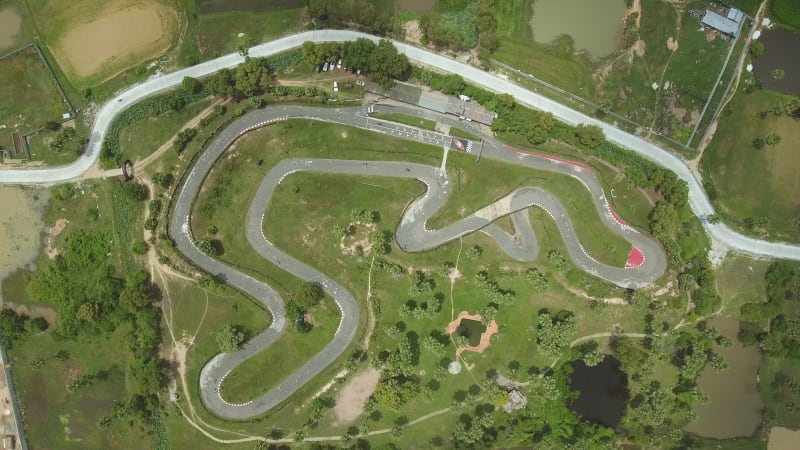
[
  {"x": 647, "y": 258},
  {"x": 412, "y": 235}
]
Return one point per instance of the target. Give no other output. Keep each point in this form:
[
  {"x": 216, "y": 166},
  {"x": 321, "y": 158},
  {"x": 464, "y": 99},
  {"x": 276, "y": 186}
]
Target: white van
[{"x": 325, "y": 67}]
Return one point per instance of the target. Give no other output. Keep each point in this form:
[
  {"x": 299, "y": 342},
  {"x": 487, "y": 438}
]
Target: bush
[{"x": 139, "y": 247}]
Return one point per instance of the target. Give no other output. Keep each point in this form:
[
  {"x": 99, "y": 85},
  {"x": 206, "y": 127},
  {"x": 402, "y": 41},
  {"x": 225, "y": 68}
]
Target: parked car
[
  {"x": 335, "y": 87},
  {"x": 325, "y": 67},
  {"x": 339, "y": 64}
]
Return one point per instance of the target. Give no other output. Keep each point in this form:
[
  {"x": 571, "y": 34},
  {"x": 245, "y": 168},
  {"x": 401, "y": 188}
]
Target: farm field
[{"x": 749, "y": 184}]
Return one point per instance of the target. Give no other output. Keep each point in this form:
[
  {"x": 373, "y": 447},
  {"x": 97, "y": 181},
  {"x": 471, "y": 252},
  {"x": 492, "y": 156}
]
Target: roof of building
[
  {"x": 434, "y": 100},
  {"x": 722, "y": 24},
  {"x": 735, "y": 15}
]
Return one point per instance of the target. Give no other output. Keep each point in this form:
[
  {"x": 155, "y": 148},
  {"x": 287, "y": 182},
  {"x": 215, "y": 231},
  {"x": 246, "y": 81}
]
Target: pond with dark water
[
  {"x": 781, "y": 51},
  {"x": 472, "y": 330},
  {"x": 603, "y": 391}
]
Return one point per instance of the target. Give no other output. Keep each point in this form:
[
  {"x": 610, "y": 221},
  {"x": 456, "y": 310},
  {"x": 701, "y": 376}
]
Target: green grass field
[
  {"x": 28, "y": 97},
  {"x": 756, "y": 183},
  {"x": 457, "y": 132}
]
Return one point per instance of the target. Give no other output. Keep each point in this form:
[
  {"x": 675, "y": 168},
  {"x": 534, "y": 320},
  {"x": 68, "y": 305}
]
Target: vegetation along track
[{"x": 412, "y": 235}]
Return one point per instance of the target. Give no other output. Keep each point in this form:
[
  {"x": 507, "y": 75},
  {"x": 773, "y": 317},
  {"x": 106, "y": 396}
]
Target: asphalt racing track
[{"x": 412, "y": 235}]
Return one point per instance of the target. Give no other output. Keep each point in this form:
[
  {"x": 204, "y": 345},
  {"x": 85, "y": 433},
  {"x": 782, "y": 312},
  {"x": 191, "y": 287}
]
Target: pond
[
  {"x": 471, "y": 329},
  {"x": 735, "y": 406},
  {"x": 780, "y": 52},
  {"x": 603, "y": 391},
  {"x": 595, "y": 25}
]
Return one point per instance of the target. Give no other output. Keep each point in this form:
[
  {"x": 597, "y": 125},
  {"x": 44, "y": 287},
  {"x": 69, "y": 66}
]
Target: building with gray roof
[{"x": 720, "y": 23}]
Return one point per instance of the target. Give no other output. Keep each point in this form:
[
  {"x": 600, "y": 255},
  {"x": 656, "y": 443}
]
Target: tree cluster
[
  {"x": 182, "y": 139},
  {"x": 229, "y": 338},
  {"x": 15, "y": 328},
  {"x": 250, "y": 78},
  {"x": 554, "y": 333},
  {"x": 350, "y": 13},
  {"x": 493, "y": 290},
  {"x": 381, "y": 61}
]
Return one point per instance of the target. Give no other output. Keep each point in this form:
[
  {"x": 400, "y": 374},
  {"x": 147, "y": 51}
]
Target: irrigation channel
[{"x": 412, "y": 235}]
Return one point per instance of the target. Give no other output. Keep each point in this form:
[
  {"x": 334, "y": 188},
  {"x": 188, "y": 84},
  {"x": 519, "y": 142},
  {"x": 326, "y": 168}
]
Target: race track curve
[{"x": 412, "y": 235}]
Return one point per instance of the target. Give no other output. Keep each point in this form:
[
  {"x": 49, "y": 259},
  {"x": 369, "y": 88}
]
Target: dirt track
[{"x": 10, "y": 22}]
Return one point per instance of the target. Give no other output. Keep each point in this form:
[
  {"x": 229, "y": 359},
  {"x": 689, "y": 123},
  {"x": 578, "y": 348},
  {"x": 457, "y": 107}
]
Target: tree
[
  {"x": 589, "y": 136},
  {"x": 553, "y": 333},
  {"x": 474, "y": 252},
  {"x": 357, "y": 54},
  {"x": 229, "y": 338},
  {"x": 310, "y": 294},
  {"x": 52, "y": 125},
  {"x": 207, "y": 247},
  {"x": 593, "y": 358},
  {"x": 386, "y": 64},
  {"x": 191, "y": 85},
  {"x": 663, "y": 220},
  {"x": 777, "y": 74},
  {"x": 757, "y": 143},
  {"x": 756, "y": 49},
  {"x": 537, "y": 279}
]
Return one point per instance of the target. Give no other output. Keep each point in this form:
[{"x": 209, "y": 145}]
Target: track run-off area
[{"x": 412, "y": 234}]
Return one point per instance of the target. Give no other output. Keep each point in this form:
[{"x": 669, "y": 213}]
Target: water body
[
  {"x": 471, "y": 329},
  {"x": 21, "y": 225},
  {"x": 735, "y": 406},
  {"x": 603, "y": 391},
  {"x": 595, "y": 25},
  {"x": 780, "y": 52}
]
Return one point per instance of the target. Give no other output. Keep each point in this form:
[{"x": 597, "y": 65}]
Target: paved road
[
  {"x": 412, "y": 235},
  {"x": 698, "y": 200}
]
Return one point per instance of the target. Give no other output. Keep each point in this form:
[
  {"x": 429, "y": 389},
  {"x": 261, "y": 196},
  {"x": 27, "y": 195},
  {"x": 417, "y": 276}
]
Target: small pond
[
  {"x": 472, "y": 330},
  {"x": 735, "y": 405},
  {"x": 780, "y": 52},
  {"x": 595, "y": 25},
  {"x": 603, "y": 391}
]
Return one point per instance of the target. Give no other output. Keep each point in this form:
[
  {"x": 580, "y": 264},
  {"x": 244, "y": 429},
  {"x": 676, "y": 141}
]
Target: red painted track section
[
  {"x": 635, "y": 259},
  {"x": 552, "y": 158},
  {"x": 616, "y": 216}
]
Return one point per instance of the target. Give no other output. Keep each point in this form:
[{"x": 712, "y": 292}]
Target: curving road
[
  {"x": 412, "y": 235},
  {"x": 698, "y": 200}
]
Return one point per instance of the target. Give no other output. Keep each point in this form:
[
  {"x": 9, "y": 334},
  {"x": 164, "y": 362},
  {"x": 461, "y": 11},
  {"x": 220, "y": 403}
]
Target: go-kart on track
[{"x": 412, "y": 235}]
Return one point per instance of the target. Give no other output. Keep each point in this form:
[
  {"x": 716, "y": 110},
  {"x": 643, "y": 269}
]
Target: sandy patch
[
  {"x": 781, "y": 438},
  {"x": 10, "y": 22},
  {"x": 54, "y": 231},
  {"x": 360, "y": 238},
  {"x": 496, "y": 210},
  {"x": 413, "y": 31},
  {"x": 710, "y": 35},
  {"x": 116, "y": 39},
  {"x": 638, "y": 47},
  {"x": 672, "y": 44},
  {"x": 491, "y": 329},
  {"x": 351, "y": 399},
  {"x": 20, "y": 224}
]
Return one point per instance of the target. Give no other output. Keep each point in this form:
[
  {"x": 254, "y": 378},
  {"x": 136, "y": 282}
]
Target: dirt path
[
  {"x": 349, "y": 404},
  {"x": 370, "y": 314},
  {"x": 141, "y": 164}
]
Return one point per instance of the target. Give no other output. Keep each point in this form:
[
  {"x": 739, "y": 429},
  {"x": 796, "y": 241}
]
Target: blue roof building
[
  {"x": 721, "y": 24},
  {"x": 735, "y": 15}
]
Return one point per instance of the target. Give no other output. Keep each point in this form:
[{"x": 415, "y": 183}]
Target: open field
[
  {"x": 426, "y": 124},
  {"x": 752, "y": 184},
  {"x": 28, "y": 96}
]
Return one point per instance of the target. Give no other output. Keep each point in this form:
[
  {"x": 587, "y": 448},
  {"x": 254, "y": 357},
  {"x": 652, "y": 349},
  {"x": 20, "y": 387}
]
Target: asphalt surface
[
  {"x": 698, "y": 200},
  {"x": 412, "y": 235}
]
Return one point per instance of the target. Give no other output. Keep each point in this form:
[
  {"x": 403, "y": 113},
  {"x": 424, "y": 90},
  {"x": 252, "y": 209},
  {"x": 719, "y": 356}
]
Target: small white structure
[
  {"x": 756, "y": 35},
  {"x": 654, "y": 86},
  {"x": 454, "y": 368},
  {"x": 463, "y": 98},
  {"x": 749, "y": 68}
]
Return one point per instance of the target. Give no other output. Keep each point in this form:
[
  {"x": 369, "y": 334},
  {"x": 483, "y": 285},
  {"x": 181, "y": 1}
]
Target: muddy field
[
  {"x": 116, "y": 40},
  {"x": 21, "y": 226},
  {"x": 10, "y": 21}
]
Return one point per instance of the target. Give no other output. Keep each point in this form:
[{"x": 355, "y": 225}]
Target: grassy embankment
[{"x": 327, "y": 201}]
